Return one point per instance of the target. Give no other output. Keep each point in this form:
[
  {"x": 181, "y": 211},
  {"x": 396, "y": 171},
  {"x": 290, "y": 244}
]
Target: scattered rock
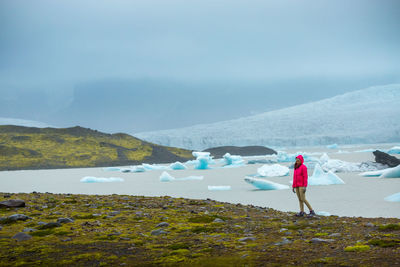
[
  {"x": 247, "y": 238},
  {"x": 158, "y": 232},
  {"x": 316, "y": 240},
  {"x": 218, "y": 220},
  {"x": 66, "y": 239},
  {"x": 335, "y": 235},
  {"x": 18, "y": 217},
  {"x": 163, "y": 224},
  {"x": 50, "y": 225},
  {"x": 283, "y": 242},
  {"x": 125, "y": 238},
  {"x": 369, "y": 224},
  {"x": 22, "y": 237},
  {"x": 12, "y": 203},
  {"x": 283, "y": 230},
  {"x": 65, "y": 220},
  {"x": 114, "y": 213}
]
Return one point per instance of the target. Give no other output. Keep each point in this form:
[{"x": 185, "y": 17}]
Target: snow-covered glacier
[{"x": 369, "y": 115}]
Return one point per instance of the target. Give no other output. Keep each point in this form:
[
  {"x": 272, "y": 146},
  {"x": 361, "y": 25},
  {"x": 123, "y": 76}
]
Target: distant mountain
[
  {"x": 371, "y": 115},
  {"x": 20, "y": 122},
  {"x": 47, "y": 148}
]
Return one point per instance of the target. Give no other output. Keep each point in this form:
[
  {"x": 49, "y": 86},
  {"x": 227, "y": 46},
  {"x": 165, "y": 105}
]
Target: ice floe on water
[
  {"x": 320, "y": 177},
  {"x": 166, "y": 177},
  {"x": 177, "y": 166},
  {"x": 156, "y": 167},
  {"x": 385, "y": 173},
  {"x": 393, "y": 198},
  {"x": 112, "y": 169},
  {"x": 264, "y": 184},
  {"x": 219, "y": 187},
  {"x": 203, "y": 160},
  {"x": 90, "y": 179},
  {"x": 232, "y": 160},
  {"x": 273, "y": 170},
  {"x": 394, "y": 150},
  {"x": 336, "y": 165}
]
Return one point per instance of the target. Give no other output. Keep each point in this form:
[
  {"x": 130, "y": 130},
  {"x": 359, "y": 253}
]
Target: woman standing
[{"x": 300, "y": 180}]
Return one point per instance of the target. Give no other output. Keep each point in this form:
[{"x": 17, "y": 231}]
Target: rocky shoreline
[{"x": 97, "y": 230}]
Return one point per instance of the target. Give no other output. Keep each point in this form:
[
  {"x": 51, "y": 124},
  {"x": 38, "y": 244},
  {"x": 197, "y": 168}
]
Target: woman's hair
[{"x": 296, "y": 164}]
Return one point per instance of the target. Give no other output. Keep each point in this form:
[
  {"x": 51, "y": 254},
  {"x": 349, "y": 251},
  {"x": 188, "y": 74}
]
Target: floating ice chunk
[
  {"x": 273, "y": 170},
  {"x": 203, "y": 159},
  {"x": 343, "y": 152},
  {"x": 154, "y": 167},
  {"x": 323, "y": 213},
  {"x": 333, "y": 146},
  {"x": 264, "y": 184},
  {"x": 394, "y": 150},
  {"x": 324, "y": 158},
  {"x": 177, "y": 166},
  {"x": 391, "y": 172},
  {"x": 372, "y": 173},
  {"x": 336, "y": 165},
  {"x": 320, "y": 177},
  {"x": 112, "y": 169},
  {"x": 89, "y": 179},
  {"x": 219, "y": 187},
  {"x": 166, "y": 177},
  {"x": 393, "y": 198},
  {"x": 232, "y": 159},
  {"x": 365, "y": 150},
  {"x": 139, "y": 168}
]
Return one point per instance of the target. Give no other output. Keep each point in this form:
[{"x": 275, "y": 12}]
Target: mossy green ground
[
  {"x": 113, "y": 230},
  {"x": 35, "y": 148}
]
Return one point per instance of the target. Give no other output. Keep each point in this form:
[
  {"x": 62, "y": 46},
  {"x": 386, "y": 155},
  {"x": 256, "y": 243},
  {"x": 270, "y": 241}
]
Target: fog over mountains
[{"x": 370, "y": 115}]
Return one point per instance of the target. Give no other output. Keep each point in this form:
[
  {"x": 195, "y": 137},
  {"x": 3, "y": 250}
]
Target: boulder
[
  {"x": 18, "y": 217},
  {"x": 384, "y": 158},
  {"x": 65, "y": 220},
  {"x": 22, "y": 237},
  {"x": 158, "y": 232},
  {"x": 50, "y": 225},
  {"x": 12, "y": 203},
  {"x": 163, "y": 224}
]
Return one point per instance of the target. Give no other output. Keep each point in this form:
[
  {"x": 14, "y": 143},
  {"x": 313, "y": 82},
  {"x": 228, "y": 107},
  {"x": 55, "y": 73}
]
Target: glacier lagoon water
[{"x": 334, "y": 199}]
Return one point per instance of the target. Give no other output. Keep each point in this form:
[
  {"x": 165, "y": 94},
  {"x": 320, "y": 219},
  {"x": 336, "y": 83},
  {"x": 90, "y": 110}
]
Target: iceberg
[
  {"x": 264, "y": 184},
  {"x": 273, "y": 170},
  {"x": 333, "y": 146},
  {"x": 320, "y": 177},
  {"x": 154, "y": 167},
  {"x": 219, "y": 187},
  {"x": 393, "y": 198},
  {"x": 138, "y": 168},
  {"x": 391, "y": 172},
  {"x": 89, "y": 179},
  {"x": 166, "y": 177},
  {"x": 229, "y": 159},
  {"x": 394, "y": 150},
  {"x": 177, "y": 166},
  {"x": 112, "y": 169},
  {"x": 203, "y": 159},
  {"x": 323, "y": 213},
  {"x": 372, "y": 173}
]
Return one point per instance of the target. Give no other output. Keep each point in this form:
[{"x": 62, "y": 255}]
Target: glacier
[
  {"x": 26, "y": 123},
  {"x": 393, "y": 198},
  {"x": 320, "y": 177},
  {"x": 264, "y": 184},
  {"x": 273, "y": 170},
  {"x": 364, "y": 116},
  {"x": 90, "y": 179}
]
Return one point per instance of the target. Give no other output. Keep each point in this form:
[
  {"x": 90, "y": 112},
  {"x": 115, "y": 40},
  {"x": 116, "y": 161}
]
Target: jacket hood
[{"x": 300, "y": 157}]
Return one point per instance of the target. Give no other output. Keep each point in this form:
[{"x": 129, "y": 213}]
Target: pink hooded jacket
[{"x": 300, "y": 176}]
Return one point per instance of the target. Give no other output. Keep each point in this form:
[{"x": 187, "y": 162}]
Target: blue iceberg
[
  {"x": 154, "y": 167},
  {"x": 264, "y": 184},
  {"x": 393, "y": 198},
  {"x": 320, "y": 177},
  {"x": 232, "y": 160},
  {"x": 273, "y": 170},
  {"x": 391, "y": 173},
  {"x": 177, "y": 166},
  {"x": 219, "y": 187},
  {"x": 203, "y": 159},
  {"x": 89, "y": 179},
  {"x": 166, "y": 177},
  {"x": 394, "y": 150}
]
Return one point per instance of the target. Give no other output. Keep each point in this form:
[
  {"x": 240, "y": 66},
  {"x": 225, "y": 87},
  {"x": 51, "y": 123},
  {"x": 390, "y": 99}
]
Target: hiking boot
[
  {"x": 300, "y": 214},
  {"x": 312, "y": 213}
]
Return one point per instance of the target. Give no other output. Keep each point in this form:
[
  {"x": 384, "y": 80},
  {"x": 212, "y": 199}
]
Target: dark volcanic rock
[
  {"x": 18, "y": 217},
  {"x": 65, "y": 220},
  {"x": 12, "y": 203},
  {"x": 384, "y": 158},
  {"x": 218, "y": 152},
  {"x": 50, "y": 225}
]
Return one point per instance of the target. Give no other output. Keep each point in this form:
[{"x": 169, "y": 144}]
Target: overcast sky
[{"x": 53, "y": 47}]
